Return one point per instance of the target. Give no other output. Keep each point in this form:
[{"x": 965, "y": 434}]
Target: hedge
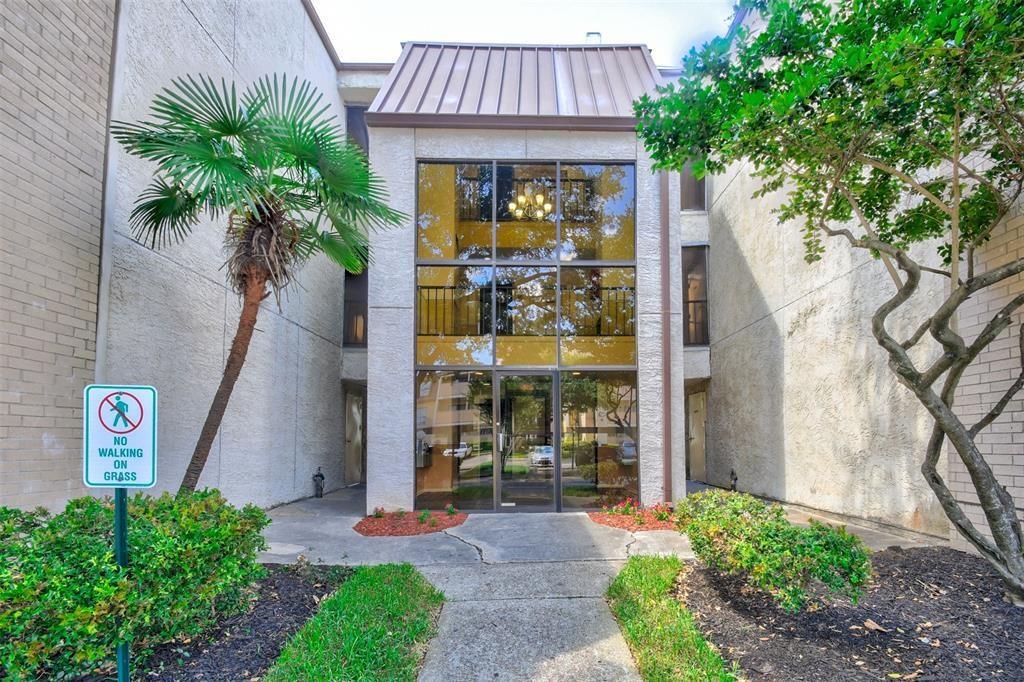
[
  {"x": 738, "y": 534},
  {"x": 64, "y": 603}
]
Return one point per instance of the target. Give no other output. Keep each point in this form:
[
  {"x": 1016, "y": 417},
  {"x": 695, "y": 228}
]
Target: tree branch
[
  {"x": 917, "y": 335},
  {"x": 998, "y": 408},
  {"x": 921, "y": 189},
  {"x": 871, "y": 233}
]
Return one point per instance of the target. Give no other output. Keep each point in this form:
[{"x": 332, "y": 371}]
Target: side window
[
  {"x": 692, "y": 194},
  {"x": 695, "y": 295},
  {"x": 355, "y": 125},
  {"x": 355, "y": 309}
]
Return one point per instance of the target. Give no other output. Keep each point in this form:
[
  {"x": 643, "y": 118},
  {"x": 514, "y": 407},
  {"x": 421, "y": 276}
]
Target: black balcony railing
[
  {"x": 695, "y": 323},
  {"x": 607, "y": 311},
  {"x": 457, "y": 311},
  {"x": 453, "y": 311}
]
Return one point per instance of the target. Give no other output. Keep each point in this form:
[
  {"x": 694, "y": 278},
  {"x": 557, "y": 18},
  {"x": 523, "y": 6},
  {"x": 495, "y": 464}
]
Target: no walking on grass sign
[{"x": 120, "y": 437}]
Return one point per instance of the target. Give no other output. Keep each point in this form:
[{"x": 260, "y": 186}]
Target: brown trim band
[
  {"x": 666, "y": 335},
  {"x": 380, "y": 119},
  {"x": 384, "y": 67}
]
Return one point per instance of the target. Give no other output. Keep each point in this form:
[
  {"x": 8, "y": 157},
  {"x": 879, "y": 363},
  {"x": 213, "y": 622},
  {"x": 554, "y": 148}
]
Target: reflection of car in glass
[
  {"x": 627, "y": 452},
  {"x": 459, "y": 451},
  {"x": 542, "y": 455}
]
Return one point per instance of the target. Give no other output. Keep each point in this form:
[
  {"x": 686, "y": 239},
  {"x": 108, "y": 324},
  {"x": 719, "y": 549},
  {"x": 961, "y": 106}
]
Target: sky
[{"x": 372, "y": 31}]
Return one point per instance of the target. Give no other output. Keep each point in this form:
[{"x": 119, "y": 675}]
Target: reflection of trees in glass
[
  {"x": 526, "y": 301},
  {"x": 597, "y": 302},
  {"x": 449, "y": 195},
  {"x": 618, "y": 401},
  {"x": 578, "y": 395},
  {"x": 597, "y": 205}
]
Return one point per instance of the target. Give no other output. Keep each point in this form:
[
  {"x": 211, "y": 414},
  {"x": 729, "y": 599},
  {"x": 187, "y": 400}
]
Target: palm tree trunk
[{"x": 255, "y": 292}]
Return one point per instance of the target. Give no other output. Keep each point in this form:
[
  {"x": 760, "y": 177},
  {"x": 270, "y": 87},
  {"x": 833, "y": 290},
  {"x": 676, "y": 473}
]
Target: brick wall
[
  {"x": 987, "y": 379},
  {"x": 54, "y": 69}
]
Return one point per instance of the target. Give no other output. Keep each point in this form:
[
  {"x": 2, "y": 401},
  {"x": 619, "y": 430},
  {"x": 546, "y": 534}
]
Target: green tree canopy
[{"x": 883, "y": 123}]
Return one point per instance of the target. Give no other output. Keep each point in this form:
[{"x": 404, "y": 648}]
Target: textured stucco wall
[
  {"x": 989, "y": 377},
  {"x": 54, "y": 72},
  {"x": 169, "y": 317},
  {"x": 390, "y": 399},
  {"x": 801, "y": 403}
]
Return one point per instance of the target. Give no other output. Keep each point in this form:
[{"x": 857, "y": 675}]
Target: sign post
[{"x": 120, "y": 453}]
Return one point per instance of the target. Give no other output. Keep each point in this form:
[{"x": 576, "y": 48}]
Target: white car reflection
[{"x": 542, "y": 455}]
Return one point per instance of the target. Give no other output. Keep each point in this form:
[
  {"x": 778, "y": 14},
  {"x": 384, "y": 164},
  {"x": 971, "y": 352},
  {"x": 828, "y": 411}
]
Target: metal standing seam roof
[{"x": 455, "y": 85}]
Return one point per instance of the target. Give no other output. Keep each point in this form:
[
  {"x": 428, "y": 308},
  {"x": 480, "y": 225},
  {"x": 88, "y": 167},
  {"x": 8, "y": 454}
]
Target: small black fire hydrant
[{"x": 318, "y": 483}]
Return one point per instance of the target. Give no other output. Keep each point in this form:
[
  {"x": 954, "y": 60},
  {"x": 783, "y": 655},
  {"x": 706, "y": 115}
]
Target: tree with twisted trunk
[
  {"x": 885, "y": 123},
  {"x": 272, "y": 163}
]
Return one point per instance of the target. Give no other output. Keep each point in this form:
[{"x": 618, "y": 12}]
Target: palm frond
[
  {"x": 274, "y": 159},
  {"x": 348, "y": 248},
  {"x": 298, "y": 102},
  {"x": 163, "y": 214},
  {"x": 294, "y": 119},
  {"x": 210, "y": 169},
  {"x": 200, "y": 107},
  {"x": 352, "y": 193}
]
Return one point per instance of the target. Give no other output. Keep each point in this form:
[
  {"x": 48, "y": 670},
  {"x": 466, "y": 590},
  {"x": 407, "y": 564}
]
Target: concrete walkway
[{"x": 524, "y": 592}]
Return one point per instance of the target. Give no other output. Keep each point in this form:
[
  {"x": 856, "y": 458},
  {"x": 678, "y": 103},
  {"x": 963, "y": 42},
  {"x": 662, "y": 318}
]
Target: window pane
[
  {"x": 525, "y": 302},
  {"x": 599, "y": 444},
  {"x": 695, "y": 295},
  {"x": 692, "y": 193},
  {"x": 355, "y": 309},
  {"x": 597, "y": 323},
  {"x": 454, "y": 205},
  {"x": 526, "y": 212},
  {"x": 453, "y": 316},
  {"x": 355, "y": 127},
  {"x": 598, "y": 212},
  {"x": 454, "y": 462}
]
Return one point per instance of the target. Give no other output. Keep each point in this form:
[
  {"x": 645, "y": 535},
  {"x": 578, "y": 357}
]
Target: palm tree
[{"x": 275, "y": 165}]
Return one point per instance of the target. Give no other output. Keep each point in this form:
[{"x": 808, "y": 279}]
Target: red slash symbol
[{"x": 120, "y": 411}]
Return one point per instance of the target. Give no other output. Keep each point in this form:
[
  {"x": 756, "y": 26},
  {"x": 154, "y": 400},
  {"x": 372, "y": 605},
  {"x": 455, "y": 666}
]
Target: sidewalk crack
[
  {"x": 630, "y": 544},
  {"x": 479, "y": 551}
]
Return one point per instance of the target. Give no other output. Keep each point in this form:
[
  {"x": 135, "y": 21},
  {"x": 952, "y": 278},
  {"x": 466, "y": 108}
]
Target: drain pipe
[{"x": 666, "y": 336}]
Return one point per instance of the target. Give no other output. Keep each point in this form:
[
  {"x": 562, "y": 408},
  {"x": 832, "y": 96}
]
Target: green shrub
[
  {"x": 64, "y": 603},
  {"x": 738, "y": 534}
]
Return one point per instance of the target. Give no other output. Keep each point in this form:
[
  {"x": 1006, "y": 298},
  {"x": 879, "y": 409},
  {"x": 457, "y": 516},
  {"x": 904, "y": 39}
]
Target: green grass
[
  {"x": 375, "y": 627},
  {"x": 660, "y": 632}
]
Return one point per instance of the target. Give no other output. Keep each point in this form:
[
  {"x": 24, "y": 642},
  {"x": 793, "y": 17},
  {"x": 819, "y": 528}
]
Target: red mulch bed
[
  {"x": 630, "y": 522},
  {"x": 407, "y": 523}
]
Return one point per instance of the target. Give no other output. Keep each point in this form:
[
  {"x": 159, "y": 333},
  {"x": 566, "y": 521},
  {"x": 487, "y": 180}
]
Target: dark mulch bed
[
  {"x": 632, "y": 522},
  {"x": 244, "y": 646},
  {"x": 407, "y": 523},
  {"x": 930, "y": 614}
]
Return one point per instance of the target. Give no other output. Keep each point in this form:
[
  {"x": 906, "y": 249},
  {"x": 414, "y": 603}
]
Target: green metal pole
[{"x": 121, "y": 554}]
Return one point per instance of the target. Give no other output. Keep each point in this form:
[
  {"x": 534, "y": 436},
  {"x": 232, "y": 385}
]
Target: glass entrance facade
[{"x": 525, "y": 335}]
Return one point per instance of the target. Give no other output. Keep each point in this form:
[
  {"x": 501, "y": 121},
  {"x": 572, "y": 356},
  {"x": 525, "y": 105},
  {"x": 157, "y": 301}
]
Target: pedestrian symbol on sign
[
  {"x": 121, "y": 412},
  {"x": 121, "y": 408}
]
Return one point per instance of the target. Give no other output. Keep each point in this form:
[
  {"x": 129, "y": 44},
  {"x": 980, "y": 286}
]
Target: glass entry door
[{"x": 527, "y": 450}]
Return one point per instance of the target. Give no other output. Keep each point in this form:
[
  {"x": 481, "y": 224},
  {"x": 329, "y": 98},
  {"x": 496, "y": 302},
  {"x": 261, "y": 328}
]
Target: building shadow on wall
[
  {"x": 745, "y": 436},
  {"x": 802, "y": 406}
]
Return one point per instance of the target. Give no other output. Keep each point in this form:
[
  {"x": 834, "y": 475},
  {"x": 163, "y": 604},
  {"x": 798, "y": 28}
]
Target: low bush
[
  {"x": 64, "y": 603},
  {"x": 738, "y": 534}
]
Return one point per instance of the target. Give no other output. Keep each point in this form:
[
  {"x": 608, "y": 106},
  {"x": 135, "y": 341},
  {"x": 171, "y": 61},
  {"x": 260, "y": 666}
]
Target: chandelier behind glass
[{"x": 530, "y": 206}]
